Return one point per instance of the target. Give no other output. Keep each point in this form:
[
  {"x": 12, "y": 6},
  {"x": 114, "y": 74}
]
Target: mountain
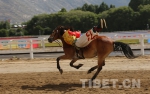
[{"x": 18, "y": 11}]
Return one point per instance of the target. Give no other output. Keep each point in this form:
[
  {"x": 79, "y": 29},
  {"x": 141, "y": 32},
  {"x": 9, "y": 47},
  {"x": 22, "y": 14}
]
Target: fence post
[
  {"x": 43, "y": 43},
  {"x": 142, "y": 44},
  {"x": 115, "y": 37},
  {"x": 10, "y": 45},
  {"x": 31, "y": 49}
]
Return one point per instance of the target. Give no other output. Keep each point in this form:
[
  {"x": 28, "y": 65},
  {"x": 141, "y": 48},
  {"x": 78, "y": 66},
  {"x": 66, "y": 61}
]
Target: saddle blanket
[{"x": 86, "y": 38}]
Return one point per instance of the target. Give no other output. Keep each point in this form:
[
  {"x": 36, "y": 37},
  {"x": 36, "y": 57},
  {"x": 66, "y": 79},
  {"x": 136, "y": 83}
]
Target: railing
[
  {"x": 42, "y": 41},
  {"x": 17, "y": 46},
  {"x": 141, "y": 38}
]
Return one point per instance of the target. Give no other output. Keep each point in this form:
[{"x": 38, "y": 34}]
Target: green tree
[
  {"x": 20, "y": 32},
  {"x": 144, "y": 17},
  {"x": 4, "y": 33},
  {"x": 85, "y": 7},
  {"x": 118, "y": 19},
  {"x": 38, "y": 30},
  {"x": 12, "y": 32},
  {"x": 103, "y": 7},
  {"x": 146, "y": 2},
  {"x": 91, "y": 8},
  {"x": 80, "y": 20},
  {"x": 47, "y": 31},
  {"x": 4, "y": 25},
  {"x": 134, "y": 4},
  {"x": 112, "y": 6},
  {"x": 41, "y": 20},
  {"x": 63, "y": 10}
]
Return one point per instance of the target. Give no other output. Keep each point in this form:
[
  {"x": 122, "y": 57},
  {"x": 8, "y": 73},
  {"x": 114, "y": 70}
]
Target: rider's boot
[
  {"x": 79, "y": 53},
  {"x": 101, "y": 25}
]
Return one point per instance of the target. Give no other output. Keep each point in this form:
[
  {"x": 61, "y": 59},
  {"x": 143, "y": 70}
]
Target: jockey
[{"x": 73, "y": 37}]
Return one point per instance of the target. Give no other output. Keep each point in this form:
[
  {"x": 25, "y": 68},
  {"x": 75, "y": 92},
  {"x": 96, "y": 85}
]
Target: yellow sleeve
[{"x": 68, "y": 38}]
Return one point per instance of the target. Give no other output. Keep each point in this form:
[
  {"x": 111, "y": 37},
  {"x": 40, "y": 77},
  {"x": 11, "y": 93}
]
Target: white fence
[
  {"x": 141, "y": 38},
  {"x": 42, "y": 41}
]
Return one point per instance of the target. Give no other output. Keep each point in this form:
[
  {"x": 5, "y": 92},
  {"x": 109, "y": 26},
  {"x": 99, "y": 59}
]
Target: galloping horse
[{"x": 101, "y": 47}]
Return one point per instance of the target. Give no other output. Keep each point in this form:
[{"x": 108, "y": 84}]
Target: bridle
[{"x": 57, "y": 41}]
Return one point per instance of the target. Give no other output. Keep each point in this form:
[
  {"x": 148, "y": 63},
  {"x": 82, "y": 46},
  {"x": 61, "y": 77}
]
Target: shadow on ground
[{"x": 65, "y": 87}]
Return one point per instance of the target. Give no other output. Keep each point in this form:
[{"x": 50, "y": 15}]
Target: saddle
[
  {"x": 79, "y": 52},
  {"x": 83, "y": 41}
]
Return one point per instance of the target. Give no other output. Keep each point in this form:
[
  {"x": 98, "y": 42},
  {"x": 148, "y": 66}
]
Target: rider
[{"x": 73, "y": 37}]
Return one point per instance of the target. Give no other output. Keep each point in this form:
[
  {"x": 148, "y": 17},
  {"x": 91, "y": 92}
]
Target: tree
[
  {"x": 134, "y": 4},
  {"x": 38, "y": 30},
  {"x": 20, "y": 32},
  {"x": 12, "y": 32},
  {"x": 84, "y": 7},
  {"x": 47, "y": 31},
  {"x": 146, "y": 2},
  {"x": 118, "y": 19},
  {"x": 144, "y": 16},
  {"x": 112, "y": 6},
  {"x": 4, "y": 25},
  {"x": 91, "y": 8},
  {"x": 103, "y": 7},
  {"x": 4, "y": 33},
  {"x": 63, "y": 10}
]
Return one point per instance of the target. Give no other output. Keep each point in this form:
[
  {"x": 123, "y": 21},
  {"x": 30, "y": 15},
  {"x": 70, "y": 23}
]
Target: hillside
[{"x": 22, "y": 10}]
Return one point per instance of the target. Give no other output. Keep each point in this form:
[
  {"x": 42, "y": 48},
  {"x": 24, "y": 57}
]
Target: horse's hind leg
[
  {"x": 97, "y": 72},
  {"x": 99, "y": 67},
  {"x": 92, "y": 69},
  {"x": 75, "y": 66},
  {"x": 104, "y": 63},
  {"x": 95, "y": 67}
]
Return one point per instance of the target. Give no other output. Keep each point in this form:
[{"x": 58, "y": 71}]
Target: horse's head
[{"x": 57, "y": 33}]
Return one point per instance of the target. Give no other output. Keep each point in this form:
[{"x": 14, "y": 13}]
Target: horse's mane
[{"x": 62, "y": 28}]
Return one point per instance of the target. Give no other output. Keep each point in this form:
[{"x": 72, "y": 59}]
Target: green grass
[
  {"x": 128, "y": 41},
  {"x": 52, "y": 45},
  {"x": 131, "y": 41}
]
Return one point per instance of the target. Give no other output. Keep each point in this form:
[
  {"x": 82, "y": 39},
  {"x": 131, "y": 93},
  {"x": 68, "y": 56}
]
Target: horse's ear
[
  {"x": 71, "y": 28},
  {"x": 61, "y": 30}
]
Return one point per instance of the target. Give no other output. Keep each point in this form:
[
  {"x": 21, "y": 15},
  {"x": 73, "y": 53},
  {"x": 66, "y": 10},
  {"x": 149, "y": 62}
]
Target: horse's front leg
[
  {"x": 75, "y": 66},
  {"x": 58, "y": 59}
]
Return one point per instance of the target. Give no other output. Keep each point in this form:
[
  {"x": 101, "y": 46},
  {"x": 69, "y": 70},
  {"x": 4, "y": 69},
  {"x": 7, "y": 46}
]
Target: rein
[{"x": 58, "y": 42}]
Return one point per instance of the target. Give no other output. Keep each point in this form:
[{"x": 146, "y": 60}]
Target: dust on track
[{"x": 40, "y": 76}]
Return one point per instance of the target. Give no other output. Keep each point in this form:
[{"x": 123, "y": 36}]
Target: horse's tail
[{"x": 119, "y": 46}]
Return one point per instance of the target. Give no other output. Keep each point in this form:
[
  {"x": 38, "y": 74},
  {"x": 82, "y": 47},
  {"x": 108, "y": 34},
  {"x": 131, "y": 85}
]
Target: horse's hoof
[
  {"x": 61, "y": 71},
  {"x": 80, "y": 65},
  {"x": 88, "y": 72}
]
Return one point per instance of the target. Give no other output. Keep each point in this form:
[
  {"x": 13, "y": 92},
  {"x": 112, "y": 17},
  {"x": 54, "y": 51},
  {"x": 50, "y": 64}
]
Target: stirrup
[{"x": 79, "y": 55}]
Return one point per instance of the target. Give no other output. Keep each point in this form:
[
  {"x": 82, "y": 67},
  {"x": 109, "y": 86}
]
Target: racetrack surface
[{"x": 40, "y": 76}]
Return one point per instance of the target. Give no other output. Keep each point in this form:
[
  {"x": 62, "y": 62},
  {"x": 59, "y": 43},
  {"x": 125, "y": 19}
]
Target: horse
[{"x": 101, "y": 47}]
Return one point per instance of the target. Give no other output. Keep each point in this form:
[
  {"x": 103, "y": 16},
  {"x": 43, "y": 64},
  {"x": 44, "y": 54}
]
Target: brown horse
[{"x": 101, "y": 47}]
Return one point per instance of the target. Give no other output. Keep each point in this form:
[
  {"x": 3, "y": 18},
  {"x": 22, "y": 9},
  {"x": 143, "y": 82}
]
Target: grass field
[
  {"x": 52, "y": 45},
  {"x": 132, "y": 41},
  {"x": 128, "y": 41}
]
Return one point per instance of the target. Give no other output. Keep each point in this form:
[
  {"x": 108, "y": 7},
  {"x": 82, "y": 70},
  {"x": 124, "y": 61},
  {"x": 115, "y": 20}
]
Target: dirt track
[{"x": 41, "y": 76}]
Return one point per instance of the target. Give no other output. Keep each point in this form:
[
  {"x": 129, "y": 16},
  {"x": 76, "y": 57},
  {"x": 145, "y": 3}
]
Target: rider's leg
[
  {"x": 79, "y": 53},
  {"x": 101, "y": 25}
]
